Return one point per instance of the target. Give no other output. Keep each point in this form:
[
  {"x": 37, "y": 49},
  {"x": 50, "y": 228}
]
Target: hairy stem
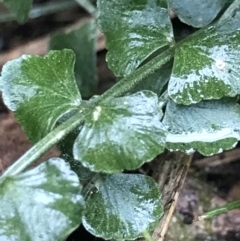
[{"x": 119, "y": 89}]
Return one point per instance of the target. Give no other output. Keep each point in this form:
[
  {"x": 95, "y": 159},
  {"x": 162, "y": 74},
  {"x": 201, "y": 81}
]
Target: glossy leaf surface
[
  {"x": 122, "y": 207},
  {"x": 134, "y": 30},
  {"x": 43, "y": 204},
  {"x": 208, "y": 127},
  {"x": 83, "y": 42},
  {"x": 121, "y": 133},
  {"x": 197, "y": 13},
  {"x": 40, "y": 90},
  {"x": 20, "y": 8},
  {"x": 207, "y": 66}
]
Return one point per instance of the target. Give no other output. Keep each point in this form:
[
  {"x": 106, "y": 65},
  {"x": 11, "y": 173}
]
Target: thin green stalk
[
  {"x": 91, "y": 185},
  {"x": 119, "y": 89},
  {"x": 88, "y": 6},
  {"x": 147, "y": 236},
  {"x": 163, "y": 99},
  {"x": 220, "y": 210}
]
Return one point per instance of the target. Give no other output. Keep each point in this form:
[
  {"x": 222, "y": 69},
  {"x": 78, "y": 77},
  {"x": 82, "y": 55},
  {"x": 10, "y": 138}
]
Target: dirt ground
[{"x": 210, "y": 182}]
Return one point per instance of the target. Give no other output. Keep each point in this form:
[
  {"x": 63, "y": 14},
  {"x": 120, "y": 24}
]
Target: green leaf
[
  {"x": 20, "y": 8},
  {"x": 83, "y": 42},
  {"x": 43, "y": 204},
  {"x": 197, "y": 13},
  {"x": 40, "y": 90},
  {"x": 209, "y": 127},
  {"x": 121, "y": 133},
  {"x": 134, "y": 30},
  {"x": 207, "y": 65},
  {"x": 122, "y": 207}
]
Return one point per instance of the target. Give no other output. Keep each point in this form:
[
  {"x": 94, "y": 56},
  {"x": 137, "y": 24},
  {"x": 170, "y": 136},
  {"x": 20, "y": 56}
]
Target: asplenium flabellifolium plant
[{"x": 171, "y": 95}]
